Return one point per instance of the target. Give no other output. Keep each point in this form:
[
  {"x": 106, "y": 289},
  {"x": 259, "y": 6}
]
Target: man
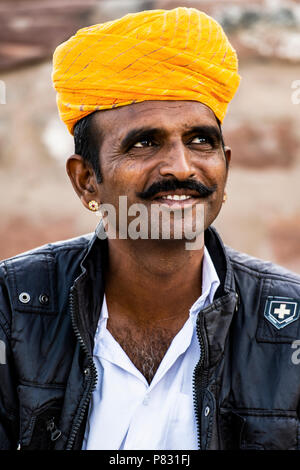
[{"x": 140, "y": 342}]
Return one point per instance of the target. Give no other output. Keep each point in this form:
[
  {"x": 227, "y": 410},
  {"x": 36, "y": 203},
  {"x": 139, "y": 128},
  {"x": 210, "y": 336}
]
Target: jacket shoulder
[
  {"x": 34, "y": 280},
  {"x": 51, "y": 248},
  {"x": 258, "y": 267}
]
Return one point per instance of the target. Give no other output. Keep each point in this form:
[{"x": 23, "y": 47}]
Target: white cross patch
[{"x": 281, "y": 311}]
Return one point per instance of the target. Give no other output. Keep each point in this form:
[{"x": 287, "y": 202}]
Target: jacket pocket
[
  {"x": 40, "y": 412},
  {"x": 261, "y": 429},
  {"x": 44, "y": 427},
  {"x": 231, "y": 425}
]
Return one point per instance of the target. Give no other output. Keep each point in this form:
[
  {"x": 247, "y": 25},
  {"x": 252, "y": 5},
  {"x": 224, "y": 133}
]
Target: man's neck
[{"x": 152, "y": 283}]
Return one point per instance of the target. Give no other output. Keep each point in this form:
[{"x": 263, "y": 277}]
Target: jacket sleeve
[{"x": 9, "y": 421}]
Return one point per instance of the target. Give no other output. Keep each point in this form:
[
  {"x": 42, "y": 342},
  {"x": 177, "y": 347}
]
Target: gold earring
[
  {"x": 224, "y": 197},
  {"x": 94, "y": 206}
]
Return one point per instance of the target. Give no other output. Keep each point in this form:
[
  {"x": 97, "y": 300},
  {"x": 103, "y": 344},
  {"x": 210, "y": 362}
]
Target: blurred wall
[{"x": 37, "y": 202}]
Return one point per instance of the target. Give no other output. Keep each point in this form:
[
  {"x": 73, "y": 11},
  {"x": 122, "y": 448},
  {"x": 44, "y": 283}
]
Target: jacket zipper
[
  {"x": 204, "y": 376},
  {"x": 91, "y": 378},
  {"x": 196, "y": 373}
]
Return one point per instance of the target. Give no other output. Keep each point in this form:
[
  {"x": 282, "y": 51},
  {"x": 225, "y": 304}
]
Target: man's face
[{"x": 157, "y": 142}]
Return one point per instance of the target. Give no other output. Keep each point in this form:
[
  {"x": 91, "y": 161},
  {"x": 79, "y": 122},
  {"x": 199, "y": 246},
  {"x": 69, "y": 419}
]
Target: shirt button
[
  {"x": 146, "y": 400},
  {"x": 206, "y": 411}
]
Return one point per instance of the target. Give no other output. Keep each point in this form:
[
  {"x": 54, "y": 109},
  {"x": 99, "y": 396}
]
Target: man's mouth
[
  {"x": 177, "y": 192},
  {"x": 176, "y": 197},
  {"x": 179, "y": 198}
]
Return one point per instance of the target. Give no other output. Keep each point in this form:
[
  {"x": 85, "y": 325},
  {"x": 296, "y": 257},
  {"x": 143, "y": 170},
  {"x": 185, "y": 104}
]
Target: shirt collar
[{"x": 101, "y": 327}]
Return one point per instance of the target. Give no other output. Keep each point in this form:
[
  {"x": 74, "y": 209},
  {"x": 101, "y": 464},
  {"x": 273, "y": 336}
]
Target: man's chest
[{"x": 145, "y": 347}]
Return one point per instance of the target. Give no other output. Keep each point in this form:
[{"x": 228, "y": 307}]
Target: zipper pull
[
  {"x": 237, "y": 302},
  {"x": 51, "y": 427}
]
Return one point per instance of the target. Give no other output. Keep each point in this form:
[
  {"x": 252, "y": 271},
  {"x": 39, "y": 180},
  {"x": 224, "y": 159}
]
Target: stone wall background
[{"x": 37, "y": 202}]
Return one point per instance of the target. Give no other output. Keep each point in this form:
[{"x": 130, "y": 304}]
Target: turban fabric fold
[{"x": 179, "y": 54}]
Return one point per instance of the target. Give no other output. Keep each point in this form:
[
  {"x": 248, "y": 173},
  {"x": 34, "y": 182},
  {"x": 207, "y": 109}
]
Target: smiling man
[{"x": 136, "y": 342}]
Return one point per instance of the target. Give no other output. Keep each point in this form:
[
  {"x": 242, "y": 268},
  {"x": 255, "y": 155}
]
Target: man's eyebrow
[
  {"x": 139, "y": 133},
  {"x": 208, "y": 131},
  {"x": 143, "y": 132}
]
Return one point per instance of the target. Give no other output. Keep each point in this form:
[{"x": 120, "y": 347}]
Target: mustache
[{"x": 172, "y": 185}]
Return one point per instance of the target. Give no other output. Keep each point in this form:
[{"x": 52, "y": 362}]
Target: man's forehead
[{"x": 165, "y": 114}]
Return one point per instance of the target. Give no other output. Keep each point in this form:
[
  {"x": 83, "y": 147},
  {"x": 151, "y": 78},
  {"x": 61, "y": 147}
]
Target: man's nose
[{"x": 177, "y": 163}]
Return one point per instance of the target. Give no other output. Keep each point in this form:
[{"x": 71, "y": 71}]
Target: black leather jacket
[{"x": 246, "y": 383}]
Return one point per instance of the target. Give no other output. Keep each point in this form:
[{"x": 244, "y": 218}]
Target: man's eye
[
  {"x": 199, "y": 140},
  {"x": 143, "y": 143}
]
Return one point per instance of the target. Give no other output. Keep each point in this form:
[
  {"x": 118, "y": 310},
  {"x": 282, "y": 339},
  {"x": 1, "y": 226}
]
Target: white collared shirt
[{"x": 128, "y": 413}]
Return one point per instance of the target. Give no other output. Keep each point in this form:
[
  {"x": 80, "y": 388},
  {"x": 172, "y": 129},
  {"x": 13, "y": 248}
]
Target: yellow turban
[{"x": 179, "y": 54}]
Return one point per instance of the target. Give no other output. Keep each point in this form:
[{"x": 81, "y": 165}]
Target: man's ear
[
  {"x": 227, "y": 151},
  {"x": 83, "y": 179}
]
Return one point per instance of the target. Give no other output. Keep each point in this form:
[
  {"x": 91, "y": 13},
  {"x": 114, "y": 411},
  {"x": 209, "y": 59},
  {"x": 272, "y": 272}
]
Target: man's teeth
[{"x": 176, "y": 197}]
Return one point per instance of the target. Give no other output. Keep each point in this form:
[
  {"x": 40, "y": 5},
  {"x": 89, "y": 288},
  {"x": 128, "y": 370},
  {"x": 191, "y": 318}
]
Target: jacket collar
[{"x": 217, "y": 317}]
